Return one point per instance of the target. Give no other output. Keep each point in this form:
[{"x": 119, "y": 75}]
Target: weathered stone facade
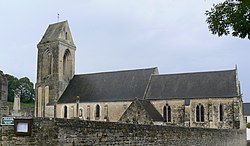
[
  {"x": 63, "y": 132},
  {"x": 185, "y": 115},
  {"x": 4, "y": 109},
  {"x": 181, "y": 114},
  {"x": 109, "y": 111}
]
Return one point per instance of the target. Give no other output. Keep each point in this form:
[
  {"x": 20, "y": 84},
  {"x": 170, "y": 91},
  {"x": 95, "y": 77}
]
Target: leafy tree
[
  {"x": 27, "y": 90},
  {"x": 231, "y": 16},
  {"x": 13, "y": 84},
  {"x": 248, "y": 125},
  {"x": 24, "y": 85}
]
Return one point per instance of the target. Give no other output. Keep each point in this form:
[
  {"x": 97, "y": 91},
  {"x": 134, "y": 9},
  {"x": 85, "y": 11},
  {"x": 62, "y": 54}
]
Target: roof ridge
[
  {"x": 106, "y": 72},
  {"x": 204, "y": 72},
  {"x": 58, "y": 22}
]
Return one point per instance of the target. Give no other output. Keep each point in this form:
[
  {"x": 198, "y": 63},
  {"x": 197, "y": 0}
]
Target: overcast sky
[{"x": 122, "y": 34}]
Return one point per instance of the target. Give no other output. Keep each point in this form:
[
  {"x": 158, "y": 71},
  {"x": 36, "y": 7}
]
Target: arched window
[
  {"x": 97, "y": 111},
  {"x": 65, "y": 113},
  {"x": 47, "y": 63},
  {"x": 66, "y": 35},
  {"x": 167, "y": 113},
  {"x": 81, "y": 113},
  {"x": 88, "y": 112},
  {"x": 199, "y": 113},
  {"x": 221, "y": 112},
  {"x": 67, "y": 65},
  {"x": 202, "y": 113}
]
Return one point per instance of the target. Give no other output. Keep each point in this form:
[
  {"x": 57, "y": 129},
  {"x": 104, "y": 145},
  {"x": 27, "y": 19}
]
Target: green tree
[
  {"x": 27, "y": 90},
  {"x": 24, "y": 85},
  {"x": 13, "y": 84},
  {"x": 248, "y": 125},
  {"x": 230, "y": 17}
]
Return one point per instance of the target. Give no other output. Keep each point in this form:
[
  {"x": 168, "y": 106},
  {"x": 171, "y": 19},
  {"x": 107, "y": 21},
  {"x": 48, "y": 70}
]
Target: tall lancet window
[
  {"x": 199, "y": 113},
  {"x": 221, "y": 112},
  {"x": 67, "y": 65},
  {"x": 65, "y": 111},
  {"x": 66, "y": 35},
  {"x": 167, "y": 113},
  {"x": 47, "y": 63},
  {"x": 97, "y": 111}
]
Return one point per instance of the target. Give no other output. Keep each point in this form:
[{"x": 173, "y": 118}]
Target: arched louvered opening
[
  {"x": 47, "y": 63},
  {"x": 67, "y": 65}
]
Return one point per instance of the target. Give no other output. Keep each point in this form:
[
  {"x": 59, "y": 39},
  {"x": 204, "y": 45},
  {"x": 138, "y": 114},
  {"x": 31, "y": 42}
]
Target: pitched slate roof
[
  {"x": 246, "y": 109},
  {"x": 151, "y": 110},
  {"x": 108, "y": 86},
  {"x": 193, "y": 85},
  {"x": 57, "y": 31}
]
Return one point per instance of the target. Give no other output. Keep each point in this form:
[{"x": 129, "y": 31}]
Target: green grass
[{"x": 23, "y": 105}]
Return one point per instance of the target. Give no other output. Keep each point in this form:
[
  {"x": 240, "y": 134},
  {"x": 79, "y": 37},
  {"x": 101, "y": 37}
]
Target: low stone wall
[{"x": 63, "y": 132}]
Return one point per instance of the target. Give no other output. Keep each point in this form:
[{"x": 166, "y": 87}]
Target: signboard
[
  {"x": 22, "y": 127},
  {"x": 7, "y": 121}
]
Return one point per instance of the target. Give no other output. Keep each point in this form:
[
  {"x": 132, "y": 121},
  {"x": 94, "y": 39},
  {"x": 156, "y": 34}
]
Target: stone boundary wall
[{"x": 75, "y": 132}]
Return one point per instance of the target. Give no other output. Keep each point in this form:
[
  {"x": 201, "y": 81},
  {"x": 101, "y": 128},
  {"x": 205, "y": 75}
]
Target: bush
[{"x": 248, "y": 125}]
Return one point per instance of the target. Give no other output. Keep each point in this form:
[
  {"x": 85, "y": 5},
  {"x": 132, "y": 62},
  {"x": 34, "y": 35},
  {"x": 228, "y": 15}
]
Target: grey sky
[{"x": 122, "y": 34}]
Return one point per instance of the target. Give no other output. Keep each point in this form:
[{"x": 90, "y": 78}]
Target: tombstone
[{"x": 17, "y": 106}]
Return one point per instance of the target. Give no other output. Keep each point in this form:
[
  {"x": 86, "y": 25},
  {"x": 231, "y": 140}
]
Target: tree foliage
[
  {"x": 248, "y": 125},
  {"x": 24, "y": 85},
  {"x": 230, "y": 17}
]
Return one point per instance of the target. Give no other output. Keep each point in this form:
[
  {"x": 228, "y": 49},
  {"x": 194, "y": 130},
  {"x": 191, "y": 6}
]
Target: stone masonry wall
[{"x": 74, "y": 132}]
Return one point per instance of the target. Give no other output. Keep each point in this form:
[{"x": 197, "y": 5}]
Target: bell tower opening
[
  {"x": 47, "y": 63},
  {"x": 67, "y": 65}
]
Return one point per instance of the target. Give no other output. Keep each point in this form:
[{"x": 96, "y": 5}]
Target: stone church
[{"x": 142, "y": 96}]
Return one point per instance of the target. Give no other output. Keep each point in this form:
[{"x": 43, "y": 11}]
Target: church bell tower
[{"x": 55, "y": 67}]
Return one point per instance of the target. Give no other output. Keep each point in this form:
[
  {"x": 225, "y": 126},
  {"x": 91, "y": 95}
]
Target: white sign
[{"x": 22, "y": 127}]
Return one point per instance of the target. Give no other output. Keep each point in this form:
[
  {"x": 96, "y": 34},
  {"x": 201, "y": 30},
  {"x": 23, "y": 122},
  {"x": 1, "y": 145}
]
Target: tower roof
[{"x": 57, "y": 32}]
